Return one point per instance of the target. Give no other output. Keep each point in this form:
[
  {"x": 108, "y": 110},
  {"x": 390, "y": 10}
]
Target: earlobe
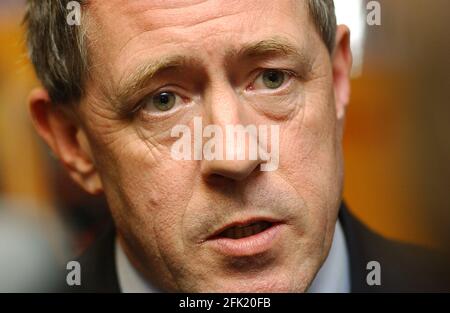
[
  {"x": 66, "y": 139},
  {"x": 342, "y": 64},
  {"x": 90, "y": 178}
]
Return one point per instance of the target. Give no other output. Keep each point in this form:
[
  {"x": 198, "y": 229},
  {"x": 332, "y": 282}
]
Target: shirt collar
[
  {"x": 130, "y": 280},
  {"x": 333, "y": 276}
]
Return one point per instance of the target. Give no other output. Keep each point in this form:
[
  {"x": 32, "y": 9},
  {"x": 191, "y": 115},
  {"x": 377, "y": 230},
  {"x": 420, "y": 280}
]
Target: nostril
[
  {"x": 230, "y": 170},
  {"x": 217, "y": 179}
]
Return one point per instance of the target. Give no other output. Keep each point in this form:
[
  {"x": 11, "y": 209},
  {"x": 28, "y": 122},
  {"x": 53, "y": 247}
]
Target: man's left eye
[{"x": 270, "y": 79}]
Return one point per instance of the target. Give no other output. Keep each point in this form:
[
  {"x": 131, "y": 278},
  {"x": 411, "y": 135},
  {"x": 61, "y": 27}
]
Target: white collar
[
  {"x": 333, "y": 276},
  {"x": 130, "y": 280}
]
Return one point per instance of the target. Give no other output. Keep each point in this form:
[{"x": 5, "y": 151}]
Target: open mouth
[
  {"x": 242, "y": 231},
  {"x": 246, "y": 238}
]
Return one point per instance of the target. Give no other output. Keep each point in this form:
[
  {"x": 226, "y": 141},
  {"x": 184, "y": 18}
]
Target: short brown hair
[{"x": 59, "y": 55}]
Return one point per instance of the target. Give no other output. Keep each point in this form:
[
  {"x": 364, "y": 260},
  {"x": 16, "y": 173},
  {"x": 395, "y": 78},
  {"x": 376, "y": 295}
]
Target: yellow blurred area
[
  {"x": 23, "y": 172},
  {"x": 378, "y": 185}
]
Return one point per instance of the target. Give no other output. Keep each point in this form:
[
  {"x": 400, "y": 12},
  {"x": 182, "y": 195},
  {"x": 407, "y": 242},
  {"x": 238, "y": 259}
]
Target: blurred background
[{"x": 397, "y": 142}]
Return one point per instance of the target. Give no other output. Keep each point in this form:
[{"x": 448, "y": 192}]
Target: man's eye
[
  {"x": 163, "y": 101},
  {"x": 271, "y": 79}
]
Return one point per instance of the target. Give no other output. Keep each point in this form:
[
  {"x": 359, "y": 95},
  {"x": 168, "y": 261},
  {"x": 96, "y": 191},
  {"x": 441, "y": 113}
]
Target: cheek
[
  {"x": 309, "y": 144},
  {"x": 310, "y": 158},
  {"x": 146, "y": 189}
]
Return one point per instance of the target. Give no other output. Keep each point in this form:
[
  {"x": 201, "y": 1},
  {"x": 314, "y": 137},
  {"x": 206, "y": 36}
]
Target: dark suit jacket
[{"x": 404, "y": 267}]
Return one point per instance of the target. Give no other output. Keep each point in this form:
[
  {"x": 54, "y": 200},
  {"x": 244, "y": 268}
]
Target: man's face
[{"x": 227, "y": 62}]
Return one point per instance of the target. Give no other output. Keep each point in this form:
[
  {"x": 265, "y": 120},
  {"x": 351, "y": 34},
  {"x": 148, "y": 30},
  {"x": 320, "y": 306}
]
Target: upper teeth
[{"x": 238, "y": 232}]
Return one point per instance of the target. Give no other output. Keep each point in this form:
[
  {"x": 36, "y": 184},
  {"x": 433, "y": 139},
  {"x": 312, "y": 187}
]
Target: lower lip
[{"x": 248, "y": 246}]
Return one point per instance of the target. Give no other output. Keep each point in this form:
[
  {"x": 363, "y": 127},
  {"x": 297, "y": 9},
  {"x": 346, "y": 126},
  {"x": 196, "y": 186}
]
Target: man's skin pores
[{"x": 164, "y": 208}]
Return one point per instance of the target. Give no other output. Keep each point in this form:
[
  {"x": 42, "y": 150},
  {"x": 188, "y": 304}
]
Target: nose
[
  {"x": 234, "y": 170},
  {"x": 239, "y": 158}
]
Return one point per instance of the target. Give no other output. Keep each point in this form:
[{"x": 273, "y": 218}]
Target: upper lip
[{"x": 243, "y": 222}]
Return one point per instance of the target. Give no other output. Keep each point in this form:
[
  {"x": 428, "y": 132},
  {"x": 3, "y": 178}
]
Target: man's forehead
[
  {"x": 177, "y": 4},
  {"x": 120, "y": 21},
  {"x": 182, "y": 11},
  {"x": 127, "y": 31}
]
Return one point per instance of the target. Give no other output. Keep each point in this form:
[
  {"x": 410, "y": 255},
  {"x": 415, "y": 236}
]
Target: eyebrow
[
  {"x": 143, "y": 74},
  {"x": 276, "y": 45},
  {"x": 140, "y": 77}
]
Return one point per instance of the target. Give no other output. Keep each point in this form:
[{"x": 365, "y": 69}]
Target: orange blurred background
[{"x": 397, "y": 143}]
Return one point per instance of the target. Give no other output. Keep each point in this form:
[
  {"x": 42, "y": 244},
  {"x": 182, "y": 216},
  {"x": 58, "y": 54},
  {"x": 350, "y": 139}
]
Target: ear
[
  {"x": 342, "y": 64},
  {"x": 66, "y": 138}
]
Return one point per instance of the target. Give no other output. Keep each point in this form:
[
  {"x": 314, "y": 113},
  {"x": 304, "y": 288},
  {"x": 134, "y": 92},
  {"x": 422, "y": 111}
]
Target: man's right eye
[
  {"x": 163, "y": 101},
  {"x": 160, "y": 102}
]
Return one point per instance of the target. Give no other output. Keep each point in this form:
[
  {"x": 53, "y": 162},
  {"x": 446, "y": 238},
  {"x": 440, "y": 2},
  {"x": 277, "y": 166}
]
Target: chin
[{"x": 259, "y": 284}]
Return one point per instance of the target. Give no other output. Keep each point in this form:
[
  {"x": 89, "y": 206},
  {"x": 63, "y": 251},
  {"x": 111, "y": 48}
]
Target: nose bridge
[
  {"x": 239, "y": 156},
  {"x": 222, "y": 103}
]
